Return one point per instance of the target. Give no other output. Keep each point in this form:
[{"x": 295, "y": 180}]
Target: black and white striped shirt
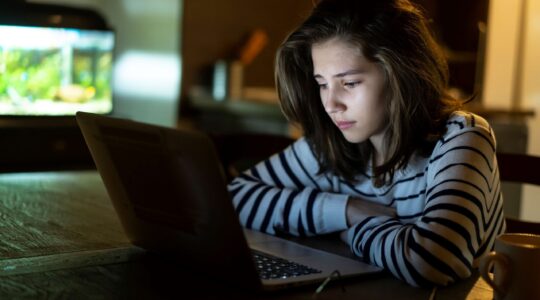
[{"x": 449, "y": 205}]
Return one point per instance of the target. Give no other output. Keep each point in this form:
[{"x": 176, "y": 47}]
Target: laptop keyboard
[{"x": 271, "y": 267}]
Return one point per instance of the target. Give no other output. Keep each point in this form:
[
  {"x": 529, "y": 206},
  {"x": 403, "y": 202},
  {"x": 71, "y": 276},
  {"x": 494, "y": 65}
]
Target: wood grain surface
[{"x": 46, "y": 214}]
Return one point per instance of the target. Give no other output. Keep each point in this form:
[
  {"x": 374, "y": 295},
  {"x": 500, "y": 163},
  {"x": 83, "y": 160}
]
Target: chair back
[
  {"x": 525, "y": 169},
  {"x": 240, "y": 151}
]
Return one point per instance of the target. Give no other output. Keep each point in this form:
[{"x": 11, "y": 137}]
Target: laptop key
[{"x": 271, "y": 267}]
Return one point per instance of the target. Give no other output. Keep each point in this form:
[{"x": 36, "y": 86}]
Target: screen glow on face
[{"x": 55, "y": 71}]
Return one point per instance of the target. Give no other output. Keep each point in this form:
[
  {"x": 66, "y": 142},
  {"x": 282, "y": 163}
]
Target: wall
[
  {"x": 501, "y": 53},
  {"x": 147, "y": 72},
  {"x": 214, "y": 29}
]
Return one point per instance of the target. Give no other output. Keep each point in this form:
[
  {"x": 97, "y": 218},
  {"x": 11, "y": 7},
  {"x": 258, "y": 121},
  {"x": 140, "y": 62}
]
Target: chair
[
  {"x": 240, "y": 151},
  {"x": 520, "y": 168}
]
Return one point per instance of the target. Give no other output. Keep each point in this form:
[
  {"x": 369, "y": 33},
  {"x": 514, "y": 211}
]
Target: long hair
[{"x": 393, "y": 34}]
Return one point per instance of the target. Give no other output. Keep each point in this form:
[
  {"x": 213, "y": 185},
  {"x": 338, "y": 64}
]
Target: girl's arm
[
  {"x": 285, "y": 194},
  {"x": 462, "y": 216}
]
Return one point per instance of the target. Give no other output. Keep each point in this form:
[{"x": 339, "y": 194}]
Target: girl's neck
[
  {"x": 378, "y": 159},
  {"x": 379, "y": 149}
]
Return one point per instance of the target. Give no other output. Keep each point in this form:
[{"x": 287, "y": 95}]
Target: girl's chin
[{"x": 353, "y": 139}]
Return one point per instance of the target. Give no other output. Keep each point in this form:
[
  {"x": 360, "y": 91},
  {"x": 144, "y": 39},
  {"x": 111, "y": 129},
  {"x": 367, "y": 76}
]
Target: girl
[{"x": 388, "y": 159}]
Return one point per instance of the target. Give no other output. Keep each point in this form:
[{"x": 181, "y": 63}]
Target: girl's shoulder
[
  {"x": 466, "y": 130},
  {"x": 460, "y": 121}
]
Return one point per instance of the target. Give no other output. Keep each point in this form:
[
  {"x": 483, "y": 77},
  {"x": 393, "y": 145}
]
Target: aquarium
[{"x": 49, "y": 71}]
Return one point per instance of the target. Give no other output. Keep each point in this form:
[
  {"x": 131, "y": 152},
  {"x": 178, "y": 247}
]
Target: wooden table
[{"x": 60, "y": 238}]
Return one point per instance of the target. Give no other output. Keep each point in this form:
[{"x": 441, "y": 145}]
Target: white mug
[{"x": 517, "y": 266}]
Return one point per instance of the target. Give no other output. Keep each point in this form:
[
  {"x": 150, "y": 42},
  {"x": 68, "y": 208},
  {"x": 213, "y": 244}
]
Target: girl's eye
[
  {"x": 352, "y": 84},
  {"x": 323, "y": 86}
]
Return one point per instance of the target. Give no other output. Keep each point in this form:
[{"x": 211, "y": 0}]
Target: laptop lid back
[{"x": 169, "y": 191}]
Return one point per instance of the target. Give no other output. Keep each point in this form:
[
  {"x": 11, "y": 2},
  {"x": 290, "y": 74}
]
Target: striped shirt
[{"x": 449, "y": 205}]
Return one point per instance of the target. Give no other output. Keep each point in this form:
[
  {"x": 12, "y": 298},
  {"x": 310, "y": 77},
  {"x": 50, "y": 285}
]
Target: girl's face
[{"x": 352, "y": 90}]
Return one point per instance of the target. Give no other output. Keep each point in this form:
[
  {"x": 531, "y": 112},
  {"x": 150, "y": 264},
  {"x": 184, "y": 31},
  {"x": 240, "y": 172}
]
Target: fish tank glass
[{"x": 51, "y": 71}]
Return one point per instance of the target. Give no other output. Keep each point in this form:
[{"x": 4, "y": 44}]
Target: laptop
[{"x": 169, "y": 191}]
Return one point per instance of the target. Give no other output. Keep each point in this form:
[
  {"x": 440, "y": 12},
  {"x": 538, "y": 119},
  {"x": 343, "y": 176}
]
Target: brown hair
[{"x": 393, "y": 34}]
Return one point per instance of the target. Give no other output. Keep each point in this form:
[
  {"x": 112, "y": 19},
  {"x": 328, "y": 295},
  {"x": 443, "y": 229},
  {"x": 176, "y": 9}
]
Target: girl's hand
[
  {"x": 343, "y": 236},
  {"x": 358, "y": 210}
]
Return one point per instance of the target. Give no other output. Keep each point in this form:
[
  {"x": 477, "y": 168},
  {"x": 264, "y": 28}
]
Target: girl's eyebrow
[{"x": 342, "y": 74}]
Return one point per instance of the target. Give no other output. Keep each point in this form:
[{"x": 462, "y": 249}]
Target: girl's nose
[{"x": 332, "y": 102}]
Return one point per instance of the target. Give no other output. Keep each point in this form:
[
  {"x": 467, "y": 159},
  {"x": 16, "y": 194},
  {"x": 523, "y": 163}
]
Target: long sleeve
[
  {"x": 285, "y": 194},
  {"x": 462, "y": 214}
]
